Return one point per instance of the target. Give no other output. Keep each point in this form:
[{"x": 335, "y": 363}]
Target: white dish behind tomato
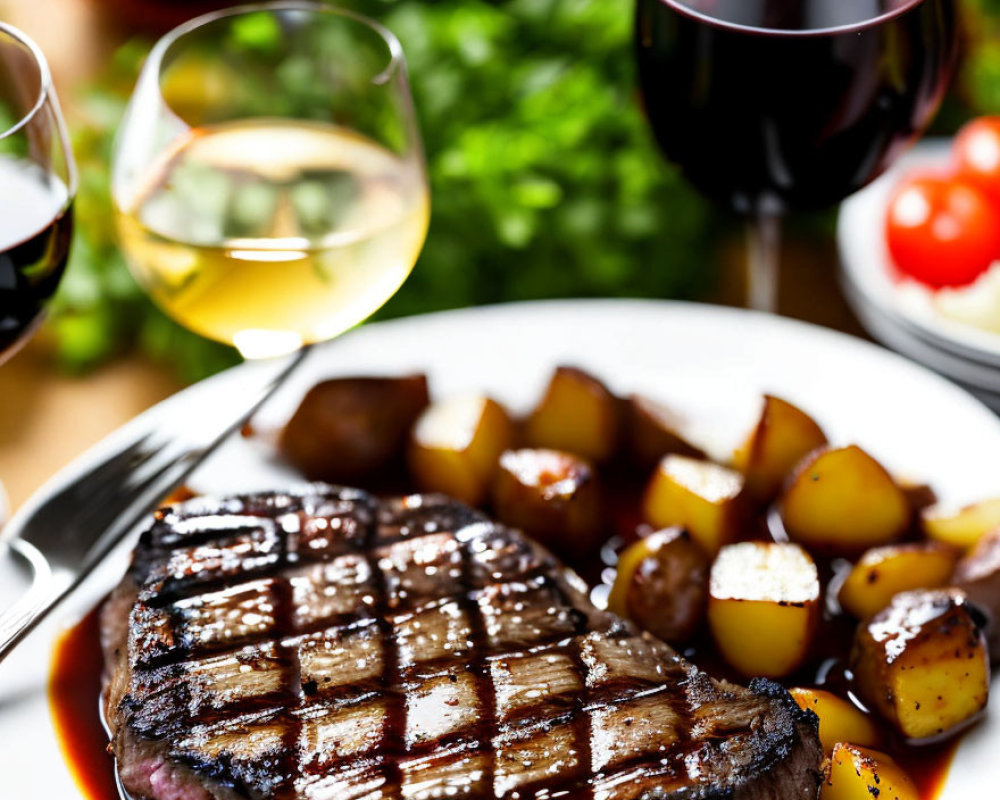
[{"x": 869, "y": 271}]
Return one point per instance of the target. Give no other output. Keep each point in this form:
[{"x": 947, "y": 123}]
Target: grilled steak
[{"x": 322, "y": 645}]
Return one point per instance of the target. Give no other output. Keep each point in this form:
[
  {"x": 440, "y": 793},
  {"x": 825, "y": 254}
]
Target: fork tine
[
  {"x": 106, "y": 493},
  {"x": 13, "y": 620}
]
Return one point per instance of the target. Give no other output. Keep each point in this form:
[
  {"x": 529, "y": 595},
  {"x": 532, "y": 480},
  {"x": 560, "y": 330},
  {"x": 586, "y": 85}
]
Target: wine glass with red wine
[
  {"x": 770, "y": 106},
  {"x": 37, "y": 186}
]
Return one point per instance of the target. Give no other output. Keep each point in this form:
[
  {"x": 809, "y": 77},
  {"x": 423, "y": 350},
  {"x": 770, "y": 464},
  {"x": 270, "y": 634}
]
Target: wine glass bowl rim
[
  {"x": 681, "y": 7},
  {"x": 44, "y": 77},
  {"x": 394, "y": 48}
]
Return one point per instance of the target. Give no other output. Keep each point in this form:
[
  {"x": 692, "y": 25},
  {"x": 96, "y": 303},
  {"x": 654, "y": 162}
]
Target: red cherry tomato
[
  {"x": 942, "y": 230},
  {"x": 977, "y": 154}
]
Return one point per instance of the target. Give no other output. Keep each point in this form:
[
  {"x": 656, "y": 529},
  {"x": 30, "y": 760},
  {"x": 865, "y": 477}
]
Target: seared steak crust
[{"x": 322, "y": 645}]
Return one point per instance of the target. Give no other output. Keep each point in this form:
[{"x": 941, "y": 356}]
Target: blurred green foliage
[
  {"x": 545, "y": 180},
  {"x": 980, "y": 86}
]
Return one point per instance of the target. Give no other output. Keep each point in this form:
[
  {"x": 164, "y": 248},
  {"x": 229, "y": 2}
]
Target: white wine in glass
[{"x": 276, "y": 212}]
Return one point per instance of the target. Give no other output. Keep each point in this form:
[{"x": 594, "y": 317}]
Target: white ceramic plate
[
  {"x": 867, "y": 268},
  {"x": 712, "y": 362},
  {"x": 983, "y": 380}
]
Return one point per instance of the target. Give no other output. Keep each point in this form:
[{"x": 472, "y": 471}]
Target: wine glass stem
[{"x": 763, "y": 252}]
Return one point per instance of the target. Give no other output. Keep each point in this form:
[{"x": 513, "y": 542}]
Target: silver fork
[{"x": 62, "y": 536}]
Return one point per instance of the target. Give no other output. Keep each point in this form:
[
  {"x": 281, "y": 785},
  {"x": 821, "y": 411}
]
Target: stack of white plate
[{"x": 902, "y": 316}]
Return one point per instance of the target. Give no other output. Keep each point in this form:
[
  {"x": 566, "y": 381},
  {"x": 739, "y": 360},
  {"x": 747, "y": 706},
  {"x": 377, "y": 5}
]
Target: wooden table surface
[{"x": 47, "y": 418}]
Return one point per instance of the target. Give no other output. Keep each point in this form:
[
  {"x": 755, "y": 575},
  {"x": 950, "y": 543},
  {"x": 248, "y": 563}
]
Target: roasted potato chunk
[
  {"x": 578, "y": 415},
  {"x": 783, "y": 436},
  {"x": 884, "y": 572},
  {"x": 655, "y": 430},
  {"x": 839, "y": 720},
  {"x": 348, "y": 428},
  {"x": 456, "y": 445},
  {"x": 704, "y": 498},
  {"x": 922, "y": 663},
  {"x": 552, "y": 496},
  {"x": 763, "y": 606},
  {"x": 962, "y": 528},
  {"x": 857, "y": 773},
  {"x": 662, "y": 585},
  {"x": 978, "y": 575},
  {"x": 843, "y": 501}
]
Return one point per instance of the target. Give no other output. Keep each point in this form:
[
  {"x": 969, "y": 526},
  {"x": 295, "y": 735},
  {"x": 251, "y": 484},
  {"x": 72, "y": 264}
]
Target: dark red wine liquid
[
  {"x": 775, "y": 104},
  {"x": 36, "y": 225}
]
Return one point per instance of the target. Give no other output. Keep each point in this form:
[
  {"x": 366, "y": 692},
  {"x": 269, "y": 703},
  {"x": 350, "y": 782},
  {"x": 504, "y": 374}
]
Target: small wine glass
[
  {"x": 770, "y": 106},
  {"x": 268, "y": 178},
  {"x": 37, "y": 187}
]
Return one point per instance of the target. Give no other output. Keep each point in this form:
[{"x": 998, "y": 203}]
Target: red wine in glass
[
  {"x": 37, "y": 185},
  {"x": 35, "y": 233},
  {"x": 777, "y": 105}
]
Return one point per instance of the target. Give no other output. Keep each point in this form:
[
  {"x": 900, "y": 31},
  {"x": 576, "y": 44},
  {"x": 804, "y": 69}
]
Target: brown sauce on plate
[{"x": 74, "y": 696}]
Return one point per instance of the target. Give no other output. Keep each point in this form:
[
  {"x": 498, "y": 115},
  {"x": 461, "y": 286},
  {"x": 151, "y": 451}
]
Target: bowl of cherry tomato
[{"x": 920, "y": 252}]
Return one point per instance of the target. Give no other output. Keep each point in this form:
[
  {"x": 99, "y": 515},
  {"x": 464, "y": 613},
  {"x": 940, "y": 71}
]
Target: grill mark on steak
[
  {"x": 284, "y": 616},
  {"x": 412, "y": 649},
  {"x": 478, "y": 667},
  {"x": 389, "y": 679}
]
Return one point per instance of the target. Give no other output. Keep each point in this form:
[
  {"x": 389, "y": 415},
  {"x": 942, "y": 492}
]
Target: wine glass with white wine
[{"x": 268, "y": 179}]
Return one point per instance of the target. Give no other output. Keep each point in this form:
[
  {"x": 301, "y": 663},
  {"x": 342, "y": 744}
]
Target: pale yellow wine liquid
[{"x": 271, "y": 234}]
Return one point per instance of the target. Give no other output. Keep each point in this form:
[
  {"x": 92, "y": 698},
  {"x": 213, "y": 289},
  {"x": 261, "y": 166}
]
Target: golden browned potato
[
  {"x": 978, "y": 575},
  {"x": 857, "y": 773},
  {"x": 704, "y": 498},
  {"x": 841, "y": 500},
  {"x": 578, "y": 415},
  {"x": 922, "y": 663},
  {"x": 348, "y": 428},
  {"x": 763, "y": 606},
  {"x": 662, "y": 585},
  {"x": 655, "y": 430},
  {"x": 456, "y": 444},
  {"x": 839, "y": 720},
  {"x": 962, "y": 528},
  {"x": 552, "y": 496},
  {"x": 783, "y": 436},
  {"x": 883, "y": 572}
]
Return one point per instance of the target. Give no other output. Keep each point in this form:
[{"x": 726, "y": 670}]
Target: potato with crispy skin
[
  {"x": 883, "y": 572},
  {"x": 704, "y": 498},
  {"x": 839, "y": 720},
  {"x": 978, "y": 575},
  {"x": 662, "y": 585},
  {"x": 552, "y": 496},
  {"x": 577, "y": 414},
  {"x": 456, "y": 444},
  {"x": 763, "y": 606},
  {"x": 655, "y": 430},
  {"x": 857, "y": 773},
  {"x": 783, "y": 435},
  {"x": 348, "y": 428},
  {"x": 841, "y": 500},
  {"x": 962, "y": 528},
  {"x": 922, "y": 664}
]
